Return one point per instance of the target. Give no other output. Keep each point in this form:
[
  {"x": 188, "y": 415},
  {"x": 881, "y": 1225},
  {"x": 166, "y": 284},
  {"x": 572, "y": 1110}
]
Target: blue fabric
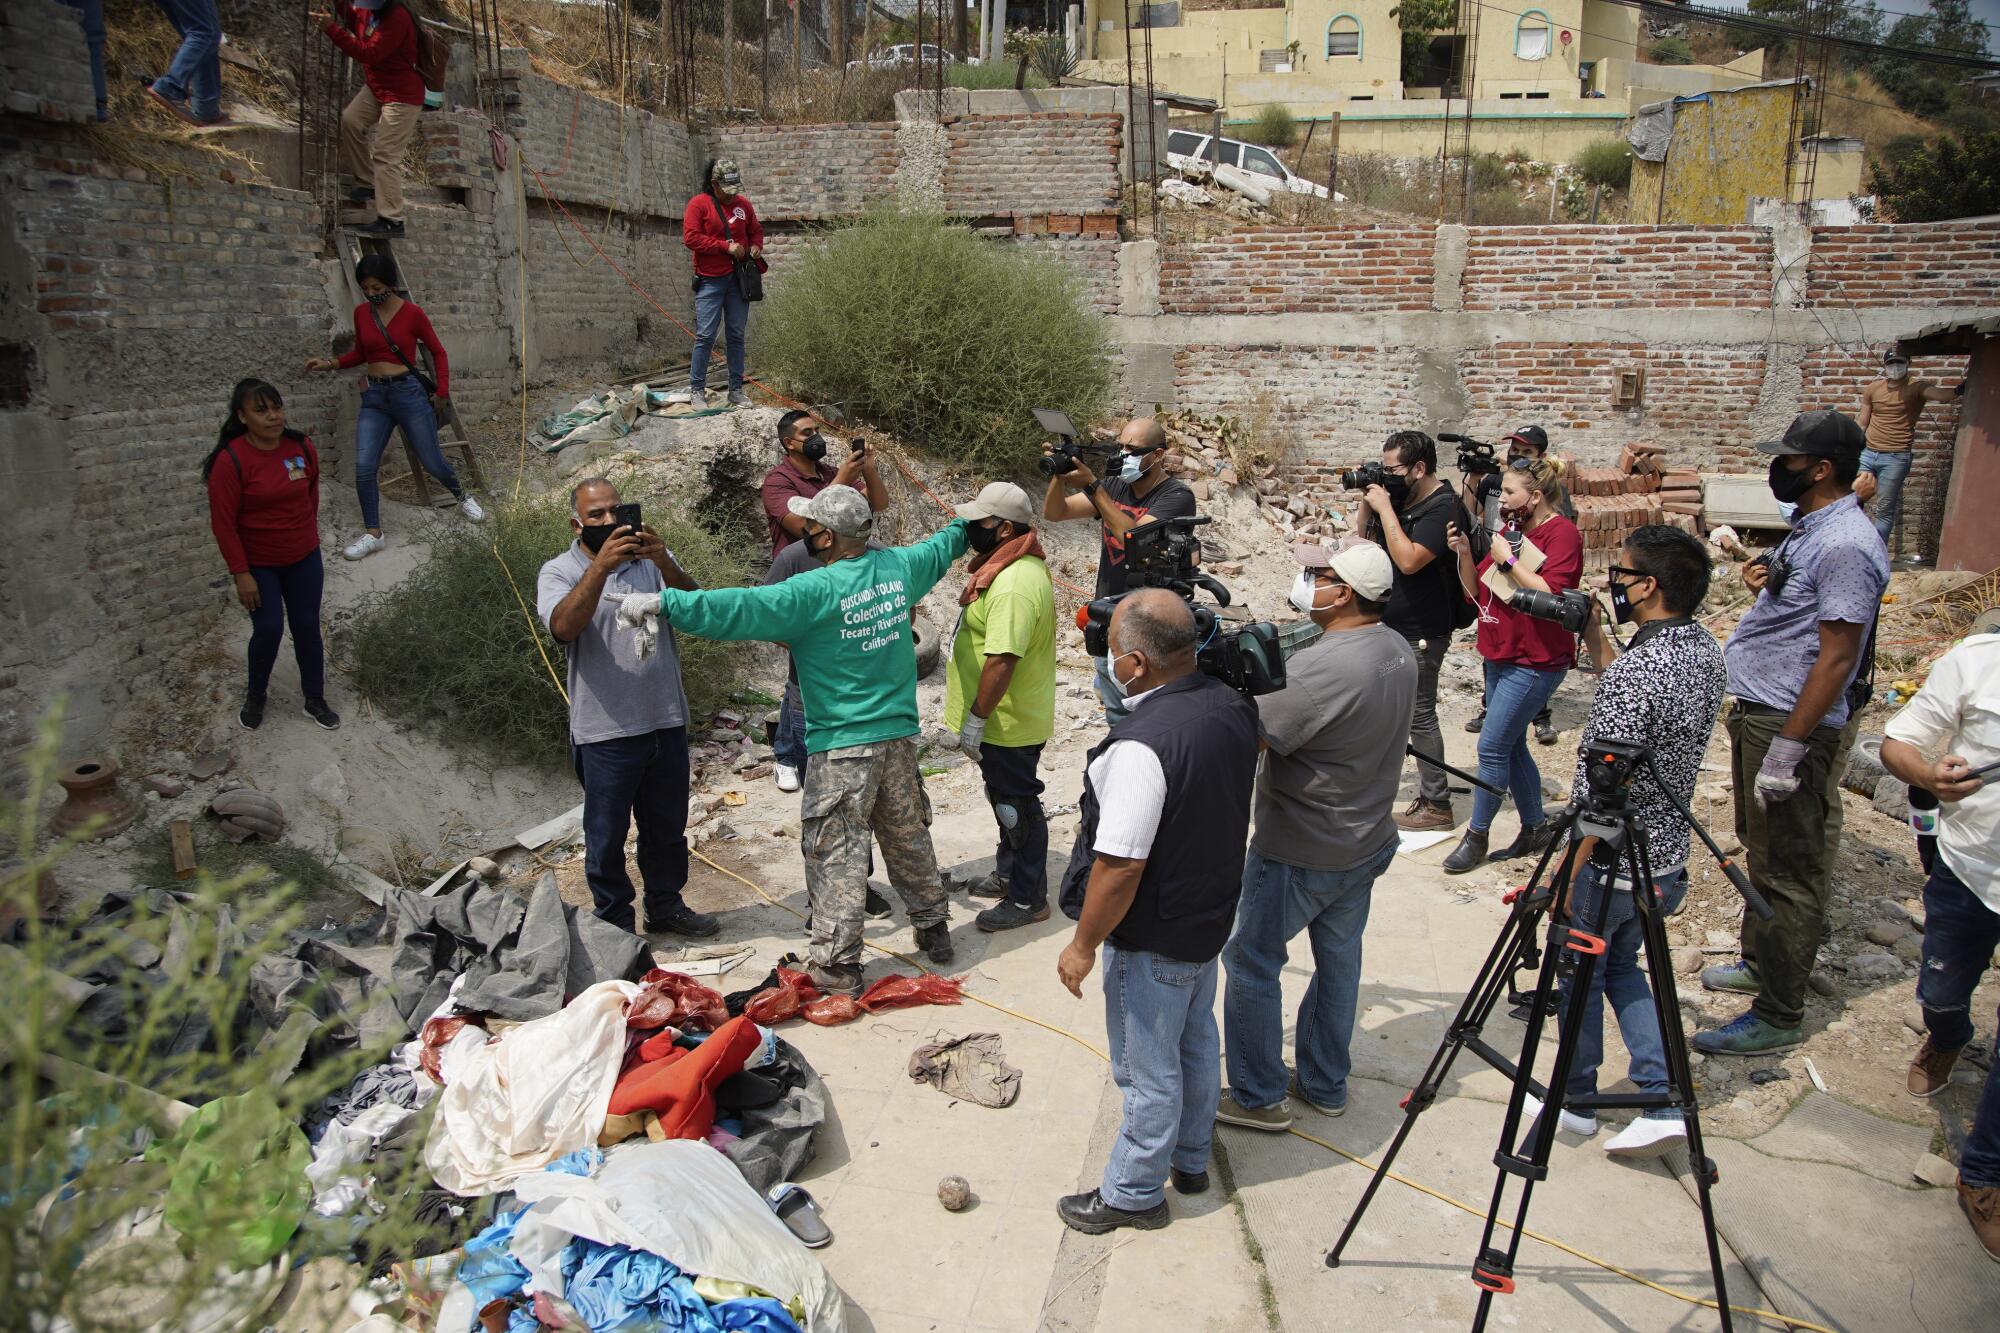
[
  {"x": 1514, "y": 694},
  {"x": 91, "y": 14},
  {"x": 288, "y": 593},
  {"x": 488, "y": 1267},
  {"x": 718, "y": 304},
  {"x": 384, "y": 407},
  {"x": 195, "y": 76},
  {"x": 643, "y": 778},
  {"x": 1619, "y": 976},
  {"x": 583, "y": 1162},
  {"x": 788, "y": 744},
  {"x": 1278, "y": 902},
  {"x": 1890, "y": 469},
  {"x": 619, "y": 1290},
  {"x": 1160, "y": 1015},
  {"x": 1960, "y": 934}
]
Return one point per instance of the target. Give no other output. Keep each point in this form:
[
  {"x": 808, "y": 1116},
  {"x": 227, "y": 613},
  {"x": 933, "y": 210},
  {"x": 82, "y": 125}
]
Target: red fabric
[
  {"x": 900, "y": 992},
  {"x": 669, "y": 999},
  {"x": 1507, "y": 635},
  {"x": 781, "y": 483},
  {"x": 385, "y": 45},
  {"x": 681, "y": 1086},
  {"x": 264, "y": 505},
  {"x": 407, "y": 327},
  {"x": 701, "y": 232}
]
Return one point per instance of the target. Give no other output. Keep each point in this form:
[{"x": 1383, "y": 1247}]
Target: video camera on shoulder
[{"x": 1475, "y": 457}]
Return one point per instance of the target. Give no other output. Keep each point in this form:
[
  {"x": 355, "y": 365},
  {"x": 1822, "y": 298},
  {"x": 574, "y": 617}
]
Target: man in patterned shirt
[{"x": 1663, "y": 692}]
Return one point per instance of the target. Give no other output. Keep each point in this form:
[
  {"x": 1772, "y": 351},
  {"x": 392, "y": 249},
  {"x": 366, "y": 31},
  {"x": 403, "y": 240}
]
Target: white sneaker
[
  {"x": 1646, "y": 1137},
  {"x": 1569, "y": 1122},
  {"x": 697, "y": 400},
  {"x": 788, "y": 777},
  {"x": 364, "y": 546},
  {"x": 470, "y": 508}
]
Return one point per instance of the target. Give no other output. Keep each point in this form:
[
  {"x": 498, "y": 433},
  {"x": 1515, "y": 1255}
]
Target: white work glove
[
  {"x": 970, "y": 735},
  {"x": 640, "y": 613},
  {"x": 1778, "y": 779}
]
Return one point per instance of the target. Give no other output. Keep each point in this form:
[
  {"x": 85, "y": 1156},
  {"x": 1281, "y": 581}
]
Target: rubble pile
[{"x": 1206, "y": 453}]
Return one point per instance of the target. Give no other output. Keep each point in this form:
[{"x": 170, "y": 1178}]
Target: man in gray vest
[{"x": 1153, "y": 880}]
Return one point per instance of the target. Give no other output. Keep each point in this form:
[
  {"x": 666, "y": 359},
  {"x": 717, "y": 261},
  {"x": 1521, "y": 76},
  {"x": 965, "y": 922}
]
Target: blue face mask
[{"x": 1131, "y": 467}]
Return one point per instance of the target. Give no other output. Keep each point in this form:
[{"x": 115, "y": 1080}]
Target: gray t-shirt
[
  {"x": 612, "y": 692},
  {"x": 1327, "y": 786}
]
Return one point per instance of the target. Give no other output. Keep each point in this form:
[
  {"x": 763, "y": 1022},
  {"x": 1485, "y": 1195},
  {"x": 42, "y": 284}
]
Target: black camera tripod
[{"x": 1598, "y": 812}]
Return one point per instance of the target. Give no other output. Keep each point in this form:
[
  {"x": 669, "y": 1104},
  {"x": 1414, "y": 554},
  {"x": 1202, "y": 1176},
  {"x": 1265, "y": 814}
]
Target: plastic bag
[
  {"x": 900, "y": 992},
  {"x": 774, "y": 1004},
  {"x": 832, "y": 1010},
  {"x": 437, "y": 1035},
  {"x": 669, "y": 999}
]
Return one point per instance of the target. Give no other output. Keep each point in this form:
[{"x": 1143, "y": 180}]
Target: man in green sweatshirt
[{"x": 847, "y": 625}]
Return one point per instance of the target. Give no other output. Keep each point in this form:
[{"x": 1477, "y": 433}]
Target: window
[
  {"x": 1180, "y": 141},
  {"x": 1533, "y": 96},
  {"x": 1224, "y": 151},
  {"x": 1532, "y": 36},
  {"x": 1261, "y": 162},
  {"x": 1362, "y": 97},
  {"x": 1343, "y": 36}
]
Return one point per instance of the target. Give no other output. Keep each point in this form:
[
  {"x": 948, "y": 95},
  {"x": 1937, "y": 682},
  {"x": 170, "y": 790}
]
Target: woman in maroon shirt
[
  {"x": 1526, "y": 658},
  {"x": 263, "y": 504}
]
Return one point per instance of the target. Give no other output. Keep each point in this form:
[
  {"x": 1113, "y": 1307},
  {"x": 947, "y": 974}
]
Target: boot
[
  {"x": 1528, "y": 842},
  {"x": 1469, "y": 854},
  {"x": 935, "y": 941}
]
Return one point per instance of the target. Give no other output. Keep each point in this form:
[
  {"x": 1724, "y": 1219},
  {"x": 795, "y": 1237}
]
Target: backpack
[{"x": 432, "y": 57}]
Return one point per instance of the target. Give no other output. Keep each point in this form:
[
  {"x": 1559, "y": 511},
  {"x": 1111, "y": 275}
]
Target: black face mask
[
  {"x": 813, "y": 447},
  {"x": 594, "y": 535},
  {"x": 816, "y": 548},
  {"x": 1621, "y": 605},
  {"x": 377, "y": 298},
  {"x": 1788, "y": 486},
  {"x": 981, "y": 538}
]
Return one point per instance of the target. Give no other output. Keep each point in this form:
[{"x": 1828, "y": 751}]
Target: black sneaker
[
  {"x": 251, "y": 715},
  {"x": 1010, "y": 916},
  {"x": 875, "y": 905},
  {"x": 683, "y": 920},
  {"x": 1545, "y": 730},
  {"x": 1188, "y": 1182},
  {"x": 1478, "y": 722},
  {"x": 836, "y": 979},
  {"x": 361, "y": 196},
  {"x": 935, "y": 941},
  {"x": 386, "y": 229},
  {"x": 988, "y": 886},
  {"x": 317, "y": 710},
  {"x": 1093, "y": 1216}
]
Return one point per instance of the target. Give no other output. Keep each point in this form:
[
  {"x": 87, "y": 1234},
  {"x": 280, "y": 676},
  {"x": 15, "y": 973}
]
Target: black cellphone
[
  {"x": 1981, "y": 772},
  {"x": 626, "y": 516}
]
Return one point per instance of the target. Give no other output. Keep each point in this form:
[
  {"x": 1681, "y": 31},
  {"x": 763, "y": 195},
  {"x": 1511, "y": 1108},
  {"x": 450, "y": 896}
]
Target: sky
[{"x": 1986, "y": 11}]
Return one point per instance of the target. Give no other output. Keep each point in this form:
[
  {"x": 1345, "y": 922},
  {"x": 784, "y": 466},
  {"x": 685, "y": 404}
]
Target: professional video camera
[
  {"x": 1475, "y": 457},
  {"x": 1061, "y": 458},
  {"x": 1161, "y": 554},
  {"x": 1569, "y": 609}
]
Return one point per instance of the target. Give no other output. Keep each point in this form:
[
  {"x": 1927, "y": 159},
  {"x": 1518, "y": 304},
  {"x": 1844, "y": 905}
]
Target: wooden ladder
[{"x": 451, "y": 432}]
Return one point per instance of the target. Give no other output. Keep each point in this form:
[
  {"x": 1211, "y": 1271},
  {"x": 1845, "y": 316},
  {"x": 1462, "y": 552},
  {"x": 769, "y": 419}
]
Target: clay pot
[{"x": 92, "y": 785}]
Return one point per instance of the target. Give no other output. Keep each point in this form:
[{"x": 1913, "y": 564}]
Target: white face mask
[
  {"x": 1124, "y": 688},
  {"x": 1131, "y": 468},
  {"x": 1897, "y": 372},
  {"x": 1305, "y": 593}
]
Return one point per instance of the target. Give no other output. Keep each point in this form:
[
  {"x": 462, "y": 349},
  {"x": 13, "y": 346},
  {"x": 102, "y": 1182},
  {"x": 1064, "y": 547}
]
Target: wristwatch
[{"x": 1091, "y": 487}]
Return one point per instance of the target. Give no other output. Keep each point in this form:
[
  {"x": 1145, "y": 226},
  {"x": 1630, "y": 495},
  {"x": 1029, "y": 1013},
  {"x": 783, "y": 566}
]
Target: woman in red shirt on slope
[
  {"x": 1526, "y": 658},
  {"x": 393, "y": 396},
  {"x": 263, "y": 504},
  {"x": 377, "y": 126}
]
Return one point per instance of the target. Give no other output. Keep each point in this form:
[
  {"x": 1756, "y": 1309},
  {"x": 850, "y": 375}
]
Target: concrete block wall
[{"x": 809, "y": 173}]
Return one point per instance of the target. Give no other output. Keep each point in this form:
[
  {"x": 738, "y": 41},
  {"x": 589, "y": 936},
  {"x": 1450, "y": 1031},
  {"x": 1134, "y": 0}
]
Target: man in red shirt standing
[
  {"x": 720, "y": 227},
  {"x": 381, "y": 35}
]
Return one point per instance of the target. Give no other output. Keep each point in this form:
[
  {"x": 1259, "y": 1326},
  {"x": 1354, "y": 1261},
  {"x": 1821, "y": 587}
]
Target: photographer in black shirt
[{"x": 1409, "y": 520}]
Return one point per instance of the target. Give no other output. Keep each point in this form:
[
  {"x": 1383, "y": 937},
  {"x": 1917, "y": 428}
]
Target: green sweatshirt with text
[{"x": 848, "y": 626}]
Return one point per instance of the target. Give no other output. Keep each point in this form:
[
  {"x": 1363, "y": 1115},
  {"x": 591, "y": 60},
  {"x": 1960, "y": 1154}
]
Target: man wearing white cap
[
  {"x": 1000, "y": 694},
  {"x": 1325, "y": 831}
]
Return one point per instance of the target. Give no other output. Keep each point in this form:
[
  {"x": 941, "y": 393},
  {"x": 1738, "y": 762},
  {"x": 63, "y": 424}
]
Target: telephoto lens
[{"x": 1569, "y": 609}]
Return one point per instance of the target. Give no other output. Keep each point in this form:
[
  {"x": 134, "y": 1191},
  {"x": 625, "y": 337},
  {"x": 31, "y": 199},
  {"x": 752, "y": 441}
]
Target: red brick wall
[
  {"x": 1930, "y": 263},
  {"x": 1323, "y": 399},
  {"x": 1833, "y": 377},
  {"x": 1304, "y": 270},
  {"x": 1512, "y": 268},
  {"x": 1049, "y": 162}
]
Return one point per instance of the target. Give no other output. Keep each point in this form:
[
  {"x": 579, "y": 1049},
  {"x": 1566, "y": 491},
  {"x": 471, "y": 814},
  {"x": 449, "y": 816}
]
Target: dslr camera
[
  {"x": 1061, "y": 458},
  {"x": 1475, "y": 457},
  {"x": 1369, "y": 474},
  {"x": 1569, "y": 609}
]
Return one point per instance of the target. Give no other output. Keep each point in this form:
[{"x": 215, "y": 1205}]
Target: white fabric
[
  {"x": 1958, "y": 712},
  {"x": 336, "y": 1189},
  {"x": 516, "y": 1103},
  {"x": 1131, "y": 791},
  {"x": 683, "y": 1201},
  {"x": 640, "y": 612}
]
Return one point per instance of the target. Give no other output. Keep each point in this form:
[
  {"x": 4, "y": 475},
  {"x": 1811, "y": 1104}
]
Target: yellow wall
[
  {"x": 1203, "y": 34},
  {"x": 1194, "y": 57},
  {"x": 1416, "y": 129},
  {"x": 1724, "y": 152},
  {"x": 1604, "y": 31},
  {"x": 1498, "y": 70},
  {"x": 1837, "y": 172}
]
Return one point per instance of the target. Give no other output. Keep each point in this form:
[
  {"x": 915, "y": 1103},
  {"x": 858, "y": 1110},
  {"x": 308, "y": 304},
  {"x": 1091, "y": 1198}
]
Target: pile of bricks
[{"x": 1642, "y": 489}]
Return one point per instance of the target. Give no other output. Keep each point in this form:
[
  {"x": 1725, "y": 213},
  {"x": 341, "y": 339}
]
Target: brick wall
[
  {"x": 1063, "y": 162},
  {"x": 1510, "y": 268},
  {"x": 44, "y": 64},
  {"x": 1833, "y": 377},
  {"x": 584, "y": 310},
  {"x": 1930, "y": 263},
  {"x": 1092, "y": 259},
  {"x": 808, "y": 173},
  {"x": 1334, "y": 404},
  {"x": 1300, "y": 269}
]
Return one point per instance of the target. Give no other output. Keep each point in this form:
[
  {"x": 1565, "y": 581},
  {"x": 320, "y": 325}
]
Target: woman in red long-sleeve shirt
[
  {"x": 387, "y": 332},
  {"x": 377, "y": 126},
  {"x": 263, "y": 504}
]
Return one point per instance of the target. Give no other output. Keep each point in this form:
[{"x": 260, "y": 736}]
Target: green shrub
[
  {"x": 939, "y": 336},
  {"x": 1608, "y": 162},
  {"x": 1489, "y": 172},
  {"x": 1948, "y": 179},
  {"x": 1901, "y": 147},
  {"x": 991, "y": 75},
  {"x": 451, "y": 649},
  {"x": 1671, "y": 51},
  {"x": 1275, "y": 126}
]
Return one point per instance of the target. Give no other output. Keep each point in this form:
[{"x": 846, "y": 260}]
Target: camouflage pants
[{"x": 850, "y": 793}]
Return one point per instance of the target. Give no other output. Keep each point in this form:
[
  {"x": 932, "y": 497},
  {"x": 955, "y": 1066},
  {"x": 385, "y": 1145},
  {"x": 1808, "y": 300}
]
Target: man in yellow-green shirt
[{"x": 1000, "y": 694}]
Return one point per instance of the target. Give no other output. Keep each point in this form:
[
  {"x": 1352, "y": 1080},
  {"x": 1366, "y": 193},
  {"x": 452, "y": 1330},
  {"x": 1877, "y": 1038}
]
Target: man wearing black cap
[
  {"x": 1800, "y": 670},
  {"x": 1482, "y": 498}
]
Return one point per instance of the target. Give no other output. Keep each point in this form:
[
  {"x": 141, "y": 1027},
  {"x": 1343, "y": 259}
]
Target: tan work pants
[{"x": 378, "y": 161}]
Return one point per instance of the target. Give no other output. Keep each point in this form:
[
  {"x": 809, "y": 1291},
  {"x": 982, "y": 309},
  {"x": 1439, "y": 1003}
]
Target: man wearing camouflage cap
[
  {"x": 847, "y": 625},
  {"x": 721, "y": 229}
]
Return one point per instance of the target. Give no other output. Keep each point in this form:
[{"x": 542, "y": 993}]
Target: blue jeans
[
  {"x": 288, "y": 593},
  {"x": 1890, "y": 469},
  {"x": 718, "y": 303},
  {"x": 1960, "y": 933},
  {"x": 1278, "y": 902},
  {"x": 384, "y": 407},
  {"x": 1014, "y": 790},
  {"x": 195, "y": 76},
  {"x": 1514, "y": 694},
  {"x": 92, "y": 13},
  {"x": 788, "y": 743},
  {"x": 1160, "y": 1015},
  {"x": 1115, "y": 710},
  {"x": 643, "y": 778},
  {"x": 1619, "y": 976}
]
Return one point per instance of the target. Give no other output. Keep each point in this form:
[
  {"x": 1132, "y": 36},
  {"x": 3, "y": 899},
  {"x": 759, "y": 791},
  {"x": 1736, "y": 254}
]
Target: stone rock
[
  {"x": 1892, "y": 796},
  {"x": 577, "y": 457},
  {"x": 1687, "y": 960},
  {"x": 485, "y": 867},
  {"x": 1227, "y": 476},
  {"x": 1200, "y": 489},
  {"x": 1822, "y": 984},
  {"x": 954, "y": 1193},
  {"x": 1935, "y": 1170},
  {"x": 175, "y": 761},
  {"x": 1762, "y": 1076},
  {"x": 329, "y": 787},
  {"x": 1910, "y": 949},
  {"x": 165, "y": 784},
  {"x": 1888, "y": 909},
  {"x": 1868, "y": 968},
  {"x": 756, "y": 771},
  {"x": 209, "y": 763},
  {"x": 1886, "y": 933},
  {"x": 1719, "y": 939}
]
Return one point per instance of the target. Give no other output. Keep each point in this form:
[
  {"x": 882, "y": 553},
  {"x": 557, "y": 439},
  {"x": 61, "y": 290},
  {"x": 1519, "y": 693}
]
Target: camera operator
[
  {"x": 1326, "y": 830},
  {"x": 1530, "y": 444},
  {"x": 1663, "y": 692},
  {"x": 1526, "y": 658},
  {"x": 1139, "y": 490},
  {"x": 1410, "y": 518}
]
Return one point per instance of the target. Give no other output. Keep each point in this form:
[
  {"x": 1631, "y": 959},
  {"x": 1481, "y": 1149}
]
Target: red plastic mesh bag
[
  {"x": 785, "y": 1000},
  {"x": 668, "y": 999},
  {"x": 900, "y": 992},
  {"x": 832, "y": 1010}
]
